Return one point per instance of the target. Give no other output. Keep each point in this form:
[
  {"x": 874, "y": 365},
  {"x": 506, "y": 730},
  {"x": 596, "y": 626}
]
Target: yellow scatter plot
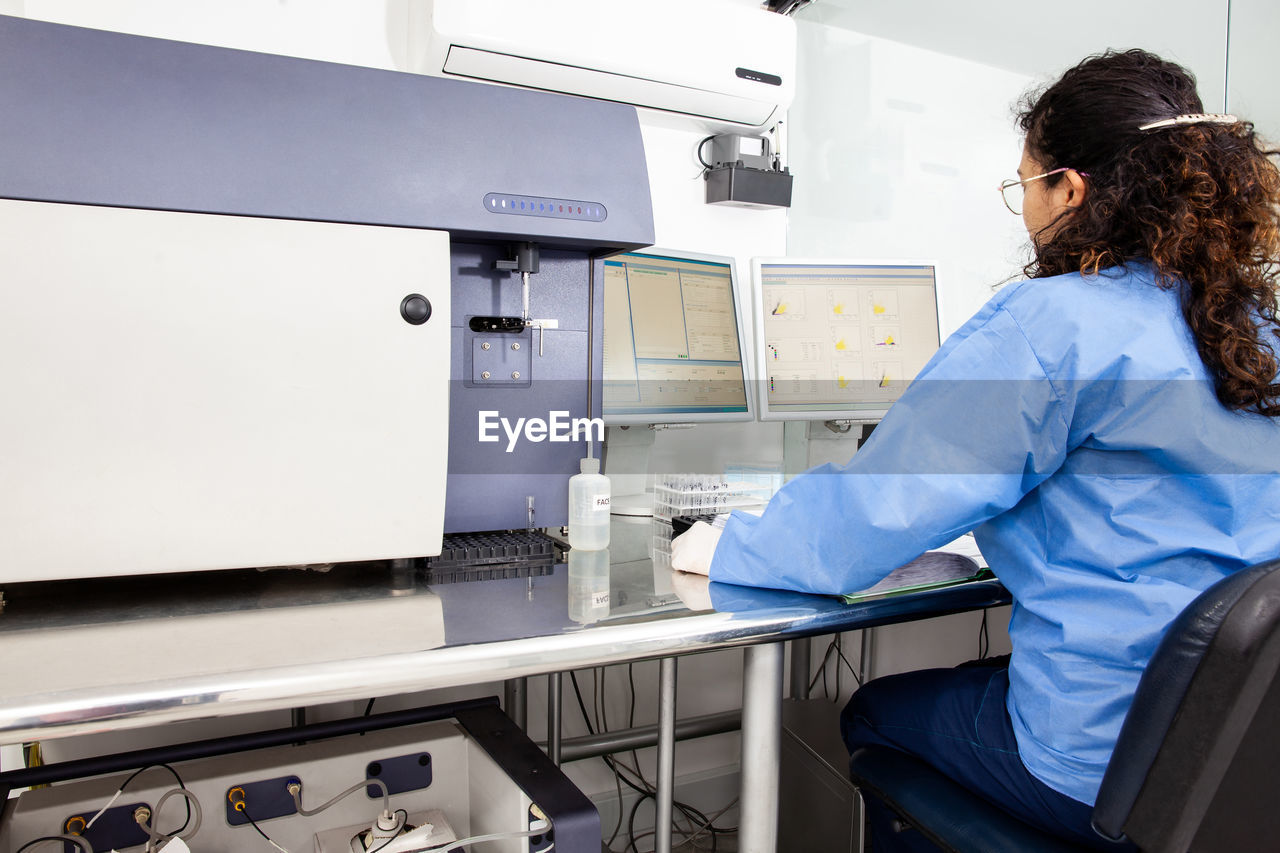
[
  {"x": 884, "y": 381},
  {"x": 838, "y": 308},
  {"x": 781, "y": 308},
  {"x": 842, "y": 382},
  {"x": 888, "y": 341},
  {"x": 841, "y": 345},
  {"x": 878, "y": 309}
]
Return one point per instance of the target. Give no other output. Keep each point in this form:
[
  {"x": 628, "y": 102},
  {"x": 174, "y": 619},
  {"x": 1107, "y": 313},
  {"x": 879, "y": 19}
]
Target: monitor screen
[
  {"x": 841, "y": 339},
  {"x": 673, "y": 338}
]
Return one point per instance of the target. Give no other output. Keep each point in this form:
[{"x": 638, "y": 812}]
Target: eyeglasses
[{"x": 1013, "y": 191}]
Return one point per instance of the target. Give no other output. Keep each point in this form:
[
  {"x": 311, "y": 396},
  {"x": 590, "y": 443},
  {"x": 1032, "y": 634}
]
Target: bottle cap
[{"x": 590, "y": 465}]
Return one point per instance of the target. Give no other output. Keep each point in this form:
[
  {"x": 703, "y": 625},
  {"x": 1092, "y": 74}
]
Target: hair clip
[{"x": 1191, "y": 118}]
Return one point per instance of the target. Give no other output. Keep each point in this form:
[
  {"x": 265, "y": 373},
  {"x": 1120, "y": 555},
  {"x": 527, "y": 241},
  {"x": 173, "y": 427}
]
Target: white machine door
[{"x": 187, "y": 391}]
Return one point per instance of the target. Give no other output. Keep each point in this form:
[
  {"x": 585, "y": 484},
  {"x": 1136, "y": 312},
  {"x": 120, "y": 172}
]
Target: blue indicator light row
[{"x": 558, "y": 208}]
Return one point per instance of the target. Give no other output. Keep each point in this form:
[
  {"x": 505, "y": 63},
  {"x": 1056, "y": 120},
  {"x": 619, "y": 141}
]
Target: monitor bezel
[
  {"x": 743, "y": 321},
  {"x": 866, "y": 416}
]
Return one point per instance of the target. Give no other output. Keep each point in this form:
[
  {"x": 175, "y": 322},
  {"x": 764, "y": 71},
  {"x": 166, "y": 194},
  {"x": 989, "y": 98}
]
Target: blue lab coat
[{"x": 1072, "y": 425}]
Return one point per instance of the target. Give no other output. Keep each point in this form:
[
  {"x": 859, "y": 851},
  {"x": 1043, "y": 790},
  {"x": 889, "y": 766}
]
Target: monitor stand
[
  {"x": 626, "y": 463},
  {"x": 639, "y": 505}
]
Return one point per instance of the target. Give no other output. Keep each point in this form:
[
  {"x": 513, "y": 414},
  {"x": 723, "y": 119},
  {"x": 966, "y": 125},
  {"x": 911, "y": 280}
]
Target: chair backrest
[{"x": 1197, "y": 762}]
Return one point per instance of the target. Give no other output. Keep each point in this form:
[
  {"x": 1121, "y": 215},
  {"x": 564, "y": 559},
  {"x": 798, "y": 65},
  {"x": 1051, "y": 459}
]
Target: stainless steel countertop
[{"x": 89, "y": 656}]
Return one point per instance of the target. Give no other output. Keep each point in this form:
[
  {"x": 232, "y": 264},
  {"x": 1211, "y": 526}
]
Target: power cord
[
  {"x": 125, "y": 784},
  {"x": 834, "y": 648},
  {"x": 237, "y": 798},
  {"x": 706, "y": 167},
  {"x": 690, "y": 837},
  {"x": 240, "y": 807},
  {"x": 697, "y": 820},
  {"x": 74, "y": 839}
]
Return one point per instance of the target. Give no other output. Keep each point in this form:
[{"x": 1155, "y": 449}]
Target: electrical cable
[
  {"x": 710, "y": 826},
  {"x": 818, "y": 672},
  {"x": 839, "y": 637},
  {"x": 822, "y": 671},
  {"x": 154, "y": 835},
  {"x": 706, "y": 167},
  {"x": 857, "y": 678},
  {"x": 240, "y": 807},
  {"x": 647, "y": 791},
  {"x": 984, "y": 639},
  {"x": 834, "y": 647},
  {"x": 125, "y": 784},
  {"x": 690, "y": 837},
  {"x": 74, "y": 839}
]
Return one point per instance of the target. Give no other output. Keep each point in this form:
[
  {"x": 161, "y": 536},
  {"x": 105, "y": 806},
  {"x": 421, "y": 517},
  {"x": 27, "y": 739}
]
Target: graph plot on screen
[
  {"x": 841, "y": 339},
  {"x": 673, "y": 340}
]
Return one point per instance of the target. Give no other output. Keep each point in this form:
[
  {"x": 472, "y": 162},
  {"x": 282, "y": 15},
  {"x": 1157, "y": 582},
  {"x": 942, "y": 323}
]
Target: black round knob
[{"x": 415, "y": 309}]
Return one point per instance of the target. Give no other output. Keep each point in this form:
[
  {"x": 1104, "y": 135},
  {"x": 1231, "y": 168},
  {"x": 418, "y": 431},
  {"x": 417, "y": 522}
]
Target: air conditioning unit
[{"x": 717, "y": 60}]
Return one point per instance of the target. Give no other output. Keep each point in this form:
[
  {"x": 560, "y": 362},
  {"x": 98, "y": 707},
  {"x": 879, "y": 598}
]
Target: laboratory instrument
[
  {"x": 453, "y": 775},
  {"x": 260, "y": 309}
]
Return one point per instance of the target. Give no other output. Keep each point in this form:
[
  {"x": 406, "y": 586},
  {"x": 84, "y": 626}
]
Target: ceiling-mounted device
[
  {"x": 716, "y": 60},
  {"x": 786, "y": 7},
  {"x": 744, "y": 171}
]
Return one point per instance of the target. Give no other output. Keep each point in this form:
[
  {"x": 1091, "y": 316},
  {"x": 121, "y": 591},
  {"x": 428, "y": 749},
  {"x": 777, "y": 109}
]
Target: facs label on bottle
[{"x": 600, "y": 503}]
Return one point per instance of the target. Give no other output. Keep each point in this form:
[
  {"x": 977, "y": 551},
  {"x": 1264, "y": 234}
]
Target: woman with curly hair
[{"x": 1108, "y": 427}]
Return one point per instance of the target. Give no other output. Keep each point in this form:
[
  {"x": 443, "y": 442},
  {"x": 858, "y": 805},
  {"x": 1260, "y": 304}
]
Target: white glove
[
  {"x": 692, "y": 550},
  {"x": 694, "y": 591}
]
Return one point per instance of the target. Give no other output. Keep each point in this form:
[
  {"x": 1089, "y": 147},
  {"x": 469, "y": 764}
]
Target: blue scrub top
[{"x": 1072, "y": 425}]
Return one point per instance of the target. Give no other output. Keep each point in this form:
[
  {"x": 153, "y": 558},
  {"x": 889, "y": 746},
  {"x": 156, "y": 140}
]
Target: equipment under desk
[{"x": 313, "y": 640}]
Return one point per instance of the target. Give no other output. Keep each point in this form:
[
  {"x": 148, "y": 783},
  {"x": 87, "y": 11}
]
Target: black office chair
[{"x": 1197, "y": 764}]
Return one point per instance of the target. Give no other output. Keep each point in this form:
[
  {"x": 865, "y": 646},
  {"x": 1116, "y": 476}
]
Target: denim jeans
[{"x": 956, "y": 721}]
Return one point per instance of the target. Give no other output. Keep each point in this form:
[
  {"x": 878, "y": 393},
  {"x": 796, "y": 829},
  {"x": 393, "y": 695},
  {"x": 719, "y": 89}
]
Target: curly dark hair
[{"x": 1201, "y": 202}]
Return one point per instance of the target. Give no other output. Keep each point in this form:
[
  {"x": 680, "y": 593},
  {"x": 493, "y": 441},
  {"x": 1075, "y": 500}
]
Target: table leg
[
  {"x": 761, "y": 748},
  {"x": 554, "y": 681},
  {"x": 515, "y": 700},
  {"x": 800, "y": 664},
  {"x": 666, "y": 754},
  {"x": 866, "y": 663}
]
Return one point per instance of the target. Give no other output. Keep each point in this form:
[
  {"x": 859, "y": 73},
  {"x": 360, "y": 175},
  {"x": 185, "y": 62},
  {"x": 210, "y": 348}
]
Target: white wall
[
  {"x": 1041, "y": 38},
  {"x": 898, "y": 152},
  {"x": 356, "y": 32},
  {"x": 1253, "y": 65}
]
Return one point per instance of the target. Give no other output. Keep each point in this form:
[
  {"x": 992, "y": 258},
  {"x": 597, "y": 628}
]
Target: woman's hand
[{"x": 692, "y": 550}]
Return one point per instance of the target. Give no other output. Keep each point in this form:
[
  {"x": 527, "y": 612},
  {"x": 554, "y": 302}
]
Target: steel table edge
[{"x": 75, "y": 712}]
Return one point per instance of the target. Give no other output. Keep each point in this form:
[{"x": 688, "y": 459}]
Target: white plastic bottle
[{"x": 589, "y": 507}]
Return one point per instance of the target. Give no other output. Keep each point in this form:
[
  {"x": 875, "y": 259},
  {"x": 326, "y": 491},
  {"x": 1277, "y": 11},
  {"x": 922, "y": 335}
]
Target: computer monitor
[
  {"x": 841, "y": 339},
  {"x": 673, "y": 340}
]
